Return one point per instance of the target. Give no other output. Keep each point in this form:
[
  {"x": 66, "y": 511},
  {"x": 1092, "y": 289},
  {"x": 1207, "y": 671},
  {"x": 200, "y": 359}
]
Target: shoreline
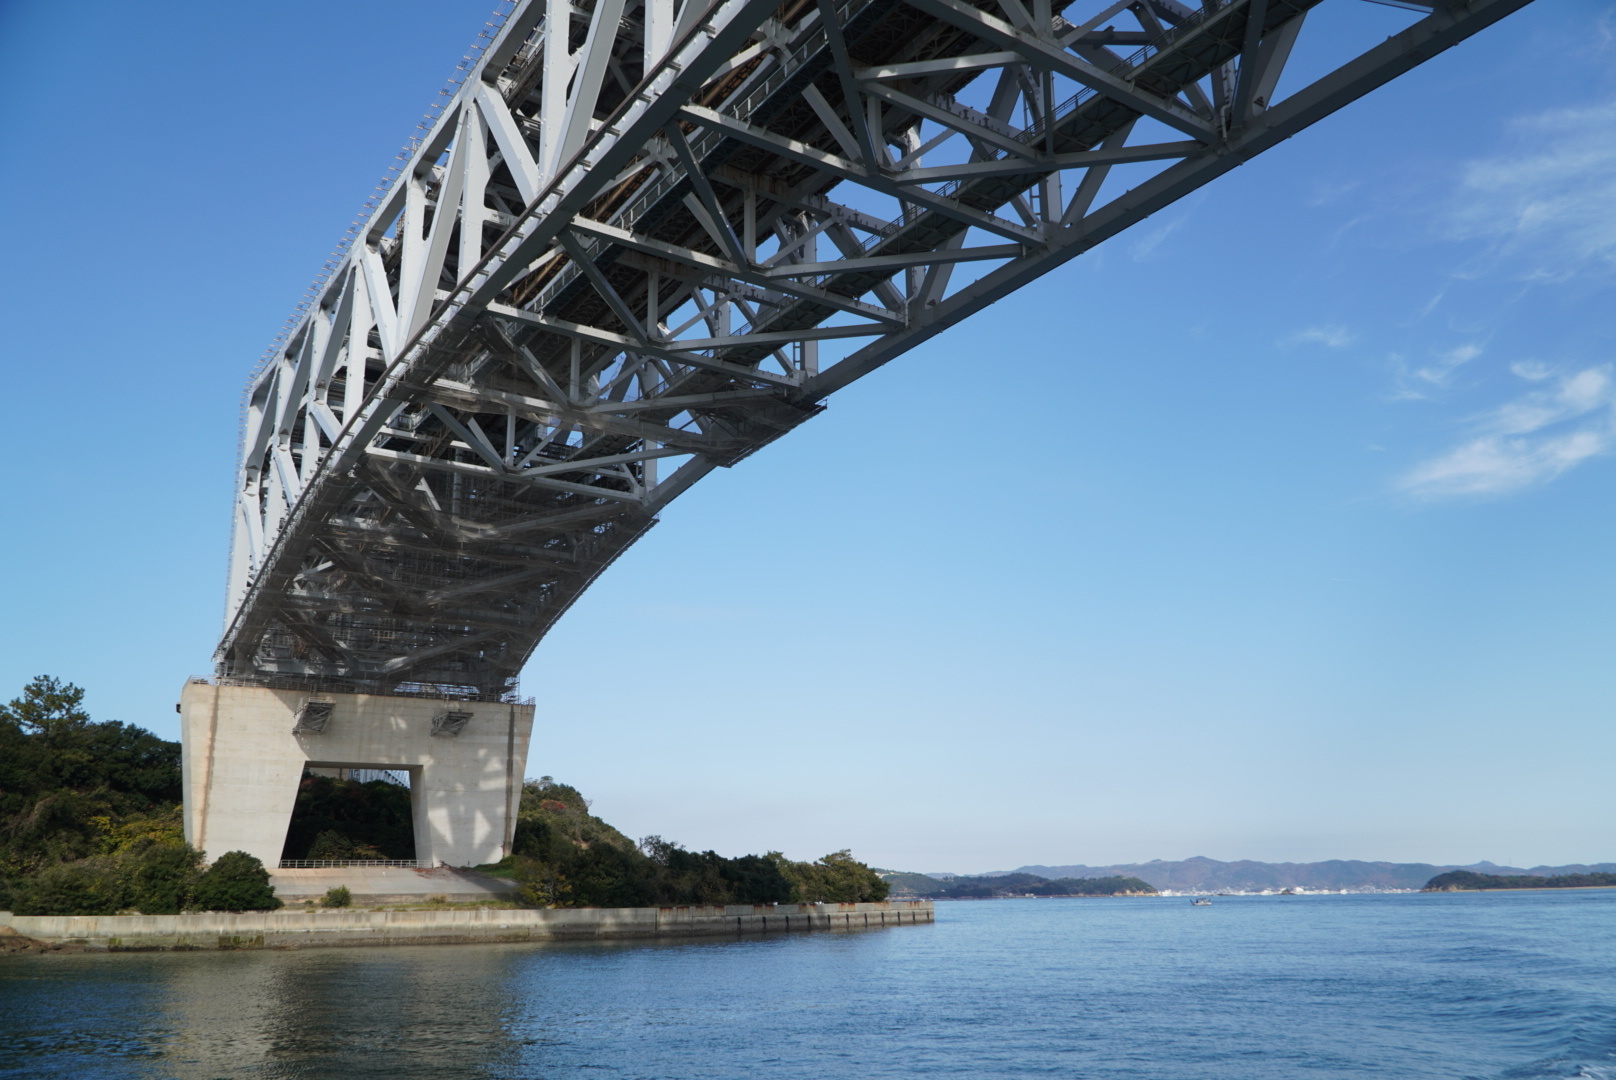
[
  {"x": 1181, "y": 894},
  {"x": 1522, "y": 888},
  {"x": 347, "y": 927}
]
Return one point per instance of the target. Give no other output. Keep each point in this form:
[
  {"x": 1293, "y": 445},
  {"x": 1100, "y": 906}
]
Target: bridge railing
[{"x": 333, "y": 864}]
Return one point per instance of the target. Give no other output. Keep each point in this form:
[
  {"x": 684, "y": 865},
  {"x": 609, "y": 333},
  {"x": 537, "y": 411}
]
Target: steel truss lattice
[{"x": 647, "y": 237}]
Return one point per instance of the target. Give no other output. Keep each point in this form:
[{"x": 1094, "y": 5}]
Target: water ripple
[{"x": 1518, "y": 986}]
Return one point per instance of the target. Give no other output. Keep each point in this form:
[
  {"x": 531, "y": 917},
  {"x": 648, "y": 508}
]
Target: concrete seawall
[
  {"x": 373, "y": 885},
  {"x": 305, "y": 929}
]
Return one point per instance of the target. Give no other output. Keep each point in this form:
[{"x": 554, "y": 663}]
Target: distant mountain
[
  {"x": 1201, "y": 874},
  {"x": 990, "y": 886}
]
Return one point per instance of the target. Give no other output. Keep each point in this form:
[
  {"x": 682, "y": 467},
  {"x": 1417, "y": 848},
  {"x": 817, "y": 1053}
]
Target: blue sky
[{"x": 1278, "y": 527}]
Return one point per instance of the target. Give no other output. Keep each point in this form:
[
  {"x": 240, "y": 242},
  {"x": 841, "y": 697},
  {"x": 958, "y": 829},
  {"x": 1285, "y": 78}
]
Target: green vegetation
[
  {"x": 346, "y": 819},
  {"x": 235, "y": 882},
  {"x": 1467, "y": 880},
  {"x": 1002, "y": 885},
  {"x": 90, "y": 825},
  {"x": 90, "y": 818},
  {"x": 157, "y": 879},
  {"x": 564, "y": 856},
  {"x": 72, "y": 789},
  {"x": 337, "y": 896}
]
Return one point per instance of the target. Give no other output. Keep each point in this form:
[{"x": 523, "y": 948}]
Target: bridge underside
[{"x": 643, "y": 240}]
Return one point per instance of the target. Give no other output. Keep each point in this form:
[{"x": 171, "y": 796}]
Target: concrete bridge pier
[{"x": 245, "y": 749}]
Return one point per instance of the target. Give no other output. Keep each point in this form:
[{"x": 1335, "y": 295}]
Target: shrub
[
  {"x": 154, "y": 879},
  {"x": 161, "y": 878},
  {"x": 87, "y": 887},
  {"x": 139, "y": 831},
  {"x": 55, "y": 828},
  {"x": 236, "y": 882},
  {"x": 337, "y": 896},
  {"x": 541, "y": 884},
  {"x": 331, "y": 844}
]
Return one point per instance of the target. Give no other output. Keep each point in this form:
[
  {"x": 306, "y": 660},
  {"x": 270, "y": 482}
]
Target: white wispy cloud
[
  {"x": 1333, "y": 191},
  {"x": 1605, "y": 28},
  {"x": 1331, "y": 335},
  {"x": 1145, "y": 245},
  {"x": 1415, "y": 382},
  {"x": 1525, "y": 442},
  {"x": 1545, "y": 209}
]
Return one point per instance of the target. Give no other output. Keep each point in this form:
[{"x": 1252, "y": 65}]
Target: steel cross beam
[{"x": 648, "y": 237}]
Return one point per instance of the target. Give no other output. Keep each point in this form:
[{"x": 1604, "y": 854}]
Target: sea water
[{"x": 1505, "y": 985}]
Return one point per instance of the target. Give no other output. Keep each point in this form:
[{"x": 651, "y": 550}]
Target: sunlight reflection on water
[{"x": 1512, "y": 985}]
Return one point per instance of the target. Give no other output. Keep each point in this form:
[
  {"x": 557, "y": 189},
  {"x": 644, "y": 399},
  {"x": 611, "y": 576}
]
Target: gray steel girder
[{"x": 647, "y": 247}]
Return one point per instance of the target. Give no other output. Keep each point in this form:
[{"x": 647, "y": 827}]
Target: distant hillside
[
  {"x": 1465, "y": 880},
  {"x": 988, "y": 887},
  {"x": 1210, "y": 875},
  {"x": 905, "y": 884}
]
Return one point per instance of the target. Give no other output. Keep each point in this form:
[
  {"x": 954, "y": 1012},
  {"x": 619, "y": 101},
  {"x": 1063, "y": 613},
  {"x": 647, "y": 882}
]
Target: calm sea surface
[{"x": 1513, "y": 985}]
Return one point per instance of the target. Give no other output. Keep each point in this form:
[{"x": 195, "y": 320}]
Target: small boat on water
[{"x": 1202, "y": 901}]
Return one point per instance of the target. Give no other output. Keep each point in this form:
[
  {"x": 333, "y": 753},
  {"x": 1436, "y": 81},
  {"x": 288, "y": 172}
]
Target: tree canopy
[
  {"x": 68, "y": 784},
  {"x": 90, "y": 814},
  {"x": 564, "y": 856}
]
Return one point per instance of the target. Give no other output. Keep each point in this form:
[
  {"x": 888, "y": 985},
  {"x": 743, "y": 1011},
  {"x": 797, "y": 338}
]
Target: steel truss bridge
[{"x": 645, "y": 238}]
